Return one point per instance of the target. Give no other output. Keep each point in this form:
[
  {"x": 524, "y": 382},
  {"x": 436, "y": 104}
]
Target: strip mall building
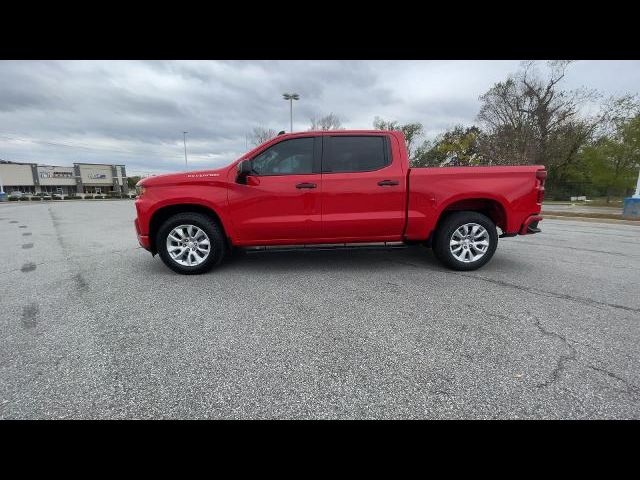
[{"x": 81, "y": 178}]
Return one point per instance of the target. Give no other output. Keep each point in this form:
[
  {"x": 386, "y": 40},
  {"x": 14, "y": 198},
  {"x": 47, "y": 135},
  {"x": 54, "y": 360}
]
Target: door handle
[
  {"x": 306, "y": 185},
  {"x": 385, "y": 183}
]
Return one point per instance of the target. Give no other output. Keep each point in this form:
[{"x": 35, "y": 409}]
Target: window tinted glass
[
  {"x": 290, "y": 157},
  {"x": 355, "y": 154}
]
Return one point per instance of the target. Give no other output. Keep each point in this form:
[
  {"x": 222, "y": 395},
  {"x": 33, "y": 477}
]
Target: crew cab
[{"x": 335, "y": 187}]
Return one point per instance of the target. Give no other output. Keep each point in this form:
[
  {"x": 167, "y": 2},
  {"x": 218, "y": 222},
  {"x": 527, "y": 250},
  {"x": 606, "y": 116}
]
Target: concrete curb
[
  {"x": 31, "y": 202},
  {"x": 592, "y": 220}
]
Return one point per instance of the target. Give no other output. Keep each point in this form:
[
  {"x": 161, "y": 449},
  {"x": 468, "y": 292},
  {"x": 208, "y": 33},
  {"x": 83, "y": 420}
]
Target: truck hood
[{"x": 183, "y": 177}]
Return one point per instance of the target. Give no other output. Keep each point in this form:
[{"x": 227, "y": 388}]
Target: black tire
[
  {"x": 442, "y": 238},
  {"x": 217, "y": 249}
]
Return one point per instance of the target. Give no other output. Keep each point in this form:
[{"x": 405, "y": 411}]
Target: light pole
[
  {"x": 637, "y": 193},
  {"x": 184, "y": 139},
  {"x": 291, "y": 97}
]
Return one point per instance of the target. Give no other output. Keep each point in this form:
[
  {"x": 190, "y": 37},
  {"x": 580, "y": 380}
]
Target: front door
[{"x": 280, "y": 202}]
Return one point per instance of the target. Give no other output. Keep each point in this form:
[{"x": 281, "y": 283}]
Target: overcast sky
[{"x": 134, "y": 113}]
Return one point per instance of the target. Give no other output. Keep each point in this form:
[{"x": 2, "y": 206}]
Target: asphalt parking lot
[{"x": 93, "y": 327}]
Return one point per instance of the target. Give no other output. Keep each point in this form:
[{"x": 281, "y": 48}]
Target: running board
[{"x": 327, "y": 246}]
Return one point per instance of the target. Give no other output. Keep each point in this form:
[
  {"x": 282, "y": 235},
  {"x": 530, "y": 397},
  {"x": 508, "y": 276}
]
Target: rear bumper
[
  {"x": 530, "y": 225},
  {"x": 143, "y": 240}
]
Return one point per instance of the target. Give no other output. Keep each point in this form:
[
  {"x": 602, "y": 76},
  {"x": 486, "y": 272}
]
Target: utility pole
[
  {"x": 184, "y": 139},
  {"x": 291, "y": 97}
]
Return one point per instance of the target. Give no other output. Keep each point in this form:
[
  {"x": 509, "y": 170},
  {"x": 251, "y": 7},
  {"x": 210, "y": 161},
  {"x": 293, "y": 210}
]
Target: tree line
[{"x": 589, "y": 144}]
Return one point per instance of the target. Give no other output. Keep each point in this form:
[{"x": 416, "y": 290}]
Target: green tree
[
  {"x": 456, "y": 147},
  {"x": 131, "y": 181},
  {"x": 612, "y": 162},
  {"x": 411, "y": 131}
]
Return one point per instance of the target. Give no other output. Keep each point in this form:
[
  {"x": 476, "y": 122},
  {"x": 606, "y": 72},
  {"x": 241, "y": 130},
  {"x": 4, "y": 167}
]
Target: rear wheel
[
  {"x": 465, "y": 240},
  {"x": 190, "y": 243}
]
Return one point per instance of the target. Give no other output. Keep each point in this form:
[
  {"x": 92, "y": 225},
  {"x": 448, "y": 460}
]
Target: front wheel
[
  {"x": 465, "y": 240},
  {"x": 190, "y": 243}
]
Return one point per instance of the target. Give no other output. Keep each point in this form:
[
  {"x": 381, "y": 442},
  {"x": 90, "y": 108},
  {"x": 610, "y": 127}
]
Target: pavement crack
[
  {"x": 563, "y": 359},
  {"x": 629, "y": 387},
  {"x": 546, "y": 293}
]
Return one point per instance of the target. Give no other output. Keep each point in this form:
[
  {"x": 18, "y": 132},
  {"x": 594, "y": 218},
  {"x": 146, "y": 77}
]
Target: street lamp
[
  {"x": 184, "y": 139},
  {"x": 291, "y": 97}
]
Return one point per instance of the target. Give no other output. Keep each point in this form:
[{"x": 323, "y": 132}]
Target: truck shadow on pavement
[
  {"x": 296, "y": 261},
  {"x": 356, "y": 259}
]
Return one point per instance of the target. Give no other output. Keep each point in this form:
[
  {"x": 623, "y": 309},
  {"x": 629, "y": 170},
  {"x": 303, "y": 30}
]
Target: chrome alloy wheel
[
  {"x": 469, "y": 242},
  {"x": 188, "y": 245}
]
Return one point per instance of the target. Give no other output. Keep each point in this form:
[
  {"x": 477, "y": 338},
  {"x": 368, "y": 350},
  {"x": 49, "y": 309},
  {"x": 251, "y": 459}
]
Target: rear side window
[
  {"x": 355, "y": 154},
  {"x": 289, "y": 157}
]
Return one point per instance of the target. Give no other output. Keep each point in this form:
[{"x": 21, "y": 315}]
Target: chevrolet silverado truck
[{"x": 335, "y": 187}]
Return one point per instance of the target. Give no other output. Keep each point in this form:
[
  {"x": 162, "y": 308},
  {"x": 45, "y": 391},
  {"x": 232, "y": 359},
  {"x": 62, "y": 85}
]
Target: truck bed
[{"x": 510, "y": 194}]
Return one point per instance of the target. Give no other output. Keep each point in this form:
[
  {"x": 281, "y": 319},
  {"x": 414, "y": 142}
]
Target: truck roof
[{"x": 333, "y": 132}]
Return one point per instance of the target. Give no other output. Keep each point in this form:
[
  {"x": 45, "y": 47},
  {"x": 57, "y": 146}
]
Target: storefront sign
[{"x": 55, "y": 174}]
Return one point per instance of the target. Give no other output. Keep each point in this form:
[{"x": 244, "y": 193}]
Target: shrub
[
  {"x": 36, "y": 198},
  {"x": 13, "y": 199},
  {"x": 90, "y": 197}
]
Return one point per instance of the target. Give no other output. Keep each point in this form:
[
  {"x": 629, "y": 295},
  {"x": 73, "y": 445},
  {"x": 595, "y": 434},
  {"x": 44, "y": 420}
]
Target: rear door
[
  {"x": 280, "y": 202},
  {"x": 363, "y": 189}
]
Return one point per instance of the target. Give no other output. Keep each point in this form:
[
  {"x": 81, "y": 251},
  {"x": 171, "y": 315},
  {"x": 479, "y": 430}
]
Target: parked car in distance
[
  {"x": 16, "y": 194},
  {"x": 333, "y": 187}
]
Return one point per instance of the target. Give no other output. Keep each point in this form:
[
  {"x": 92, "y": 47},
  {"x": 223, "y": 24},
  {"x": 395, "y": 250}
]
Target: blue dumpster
[{"x": 631, "y": 210}]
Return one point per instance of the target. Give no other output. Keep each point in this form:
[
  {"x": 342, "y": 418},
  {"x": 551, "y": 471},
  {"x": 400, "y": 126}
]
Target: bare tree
[
  {"x": 326, "y": 122},
  {"x": 528, "y": 119},
  {"x": 259, "y": 135}
]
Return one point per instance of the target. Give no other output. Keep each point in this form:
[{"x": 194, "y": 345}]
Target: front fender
[{"x": 157, "y": 198}]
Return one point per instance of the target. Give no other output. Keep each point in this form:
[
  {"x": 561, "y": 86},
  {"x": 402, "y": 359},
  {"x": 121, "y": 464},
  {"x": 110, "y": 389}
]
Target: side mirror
[{"x": 244, "y": 169}]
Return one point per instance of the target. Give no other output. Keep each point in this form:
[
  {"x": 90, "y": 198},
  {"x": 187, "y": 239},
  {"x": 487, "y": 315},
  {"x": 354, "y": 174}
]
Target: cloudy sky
[{"x": 134, "y": 113}]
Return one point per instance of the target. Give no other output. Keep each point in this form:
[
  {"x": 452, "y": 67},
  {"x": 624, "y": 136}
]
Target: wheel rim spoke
[
  {"x": 469, "y": 242},
  {"x": 188, "y": 245}
]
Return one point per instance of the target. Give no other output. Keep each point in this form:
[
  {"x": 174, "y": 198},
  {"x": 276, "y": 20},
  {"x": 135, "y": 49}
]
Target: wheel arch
[
  {"x": 163, "y": 213},
  {"x": 491, "y": 207}
]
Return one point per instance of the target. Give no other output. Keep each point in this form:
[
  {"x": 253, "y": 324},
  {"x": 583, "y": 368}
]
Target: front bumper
[
  {"x": 530, "y": 225},
  {"x": 143, "y": 240}
]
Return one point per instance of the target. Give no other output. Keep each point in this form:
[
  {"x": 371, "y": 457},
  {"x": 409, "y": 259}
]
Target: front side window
[
  {"x": 355, "y": 154},
  {"x": 289, "y": 157}
]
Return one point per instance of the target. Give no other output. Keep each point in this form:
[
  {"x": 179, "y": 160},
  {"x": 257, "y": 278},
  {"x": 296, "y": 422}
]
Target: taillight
[{"x": 541, "y": 176}]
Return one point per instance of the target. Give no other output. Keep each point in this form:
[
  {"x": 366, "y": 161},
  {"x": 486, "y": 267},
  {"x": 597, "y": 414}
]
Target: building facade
[{"x": 92, "y": 178}]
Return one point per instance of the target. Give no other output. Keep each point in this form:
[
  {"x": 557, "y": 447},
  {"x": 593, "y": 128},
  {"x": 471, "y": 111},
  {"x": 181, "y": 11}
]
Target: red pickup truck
[{"x": 335, "y": 187}]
